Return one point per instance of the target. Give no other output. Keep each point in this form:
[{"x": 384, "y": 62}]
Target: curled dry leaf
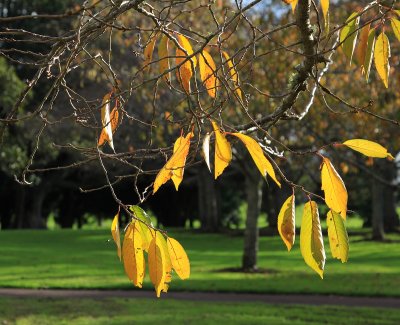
[
  {"x": 114, "y": 120},
  {"x": 106, "y": 121},
  {"x": 286, "y": 222},
  {"x": 206, "y": 150}
]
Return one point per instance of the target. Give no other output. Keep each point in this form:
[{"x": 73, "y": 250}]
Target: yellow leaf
[
  {"x": 286, "y": 222},
  {"x": 156, "y": 260},
  {"x": 207, "y": 73},
  {"x": 206, "y": 150},
  {"x": 338, "y": 239},
  {"x": 163, "y": 54},
  {"x": 294, "y": 5},
  {"x": 114, "y": 119},
  {"x": 325, "y": 11},
  {"x": 185, "y": 71},
  {"x": 115, "y": 234},
  {"x": 396, "y": 27},
  {"x": 334, "y": 188},
  {"x": 132, "y": 253},
  {"x": 368, "y": 148},
  {"x": 311, "y": 240},
  {"x": 168, "y": 264},
  {"x": 233, "y": 73},
  {"x": 106, "y": 120},
  {"x": 348, "y": 35},
  {"x": 148, "y": 53},
  {"x": 262, "y": 163},
  {"x": 223, "y": 151},
  {"x": 381, "y": 58},
  {"x": 146, "y": 233},
  {"x": 174, "y": 166},
  {"x": 179, "y": 259}
]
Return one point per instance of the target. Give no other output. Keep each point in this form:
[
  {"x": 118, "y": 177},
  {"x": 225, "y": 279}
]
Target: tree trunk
[
  {"x": 208, "y": 197},
  {"x": 253, "y": 196}
]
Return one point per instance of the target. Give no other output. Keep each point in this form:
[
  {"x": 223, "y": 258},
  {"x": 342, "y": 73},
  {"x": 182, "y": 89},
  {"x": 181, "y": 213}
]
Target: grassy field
[
  {"x": 87, "y": 259},
  {"x": 140, "y": 311}
]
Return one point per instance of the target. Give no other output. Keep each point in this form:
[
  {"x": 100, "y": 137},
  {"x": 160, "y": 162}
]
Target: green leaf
[
  {"x": 311, "y": 240},
  {"x": 348, "y": 35},
  {"x": 338, "y": 239},
  {"x": 146, "y": 232},
  {"x": 369, "y": 54}
]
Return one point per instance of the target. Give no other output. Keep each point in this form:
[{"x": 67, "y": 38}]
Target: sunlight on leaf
[
  {"x": 338, "y": 239},
  {"x": 223, "y": 151},
  {"x": 287, "y": 223},
  {"x": 368, "y": 148}
]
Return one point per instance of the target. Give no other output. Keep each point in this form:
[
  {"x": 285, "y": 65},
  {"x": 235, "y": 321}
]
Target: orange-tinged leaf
[
  {"x": 206, "y": 150},
  {"x": 338, "y": 239},
  {"x": 148, "y": 53},
  {"x": 114, "y": 119},
  {"x": 163, "y": 54},
  {"x": 233, "y": 73},
  {"x": 223, "y": 151},
  {"x": 174, "y": 166},
  {"x": 262, "y": 163},
  {"x": 381, "y": 58},
  {"x": 132, "y": 253},
  {"x": 105, "y": 119},
  {"x": 361, "y": 49},
  {"x": 396, "y": 27},
  {"x": 286, "y": 222},
  {"x": 156, "y": 260},
  {"x": 368, "y": 148},
  {"x": 311, "y": 240},
  {"x": 293, "y": 3},
  {"x": 207, "y": 73},
  {"x": 185, "y": 71},
  {"x": 179, "y": 259},
  {"x": 334, "y": 188},
  {"x": 115, "y": 234}
]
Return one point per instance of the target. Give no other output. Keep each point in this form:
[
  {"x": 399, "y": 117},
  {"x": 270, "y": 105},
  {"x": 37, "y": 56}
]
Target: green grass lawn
[
  {"x": 147, "y": 311},
  {"x": 87, "y": 259}
]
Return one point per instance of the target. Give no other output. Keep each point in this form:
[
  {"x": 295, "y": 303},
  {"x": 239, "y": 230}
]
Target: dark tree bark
[
  {"x": 208, "y": 198},
  {"x": 378, "y": 232},
  {"x": 253, "y": 196}
]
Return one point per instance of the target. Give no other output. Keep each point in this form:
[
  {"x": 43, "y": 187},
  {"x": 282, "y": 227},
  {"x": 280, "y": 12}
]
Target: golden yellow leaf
[
  {"x": 105, "y": 119},
  {"x": 179, "y": 259},
  {"x": 286, "y": 222},
  {"x": 262, "y": 163},
  {"x": 185, "y": 71},
  {"x": 334, "y": 188},
  {"x": 348, "y": 35},
  {"x": 163, "y": 55},
  {"x": 175, "y": 165},
  {"x": 338, "y": 239},
  {"x": 156, "y": 260},
  {"x": 368, "y": 148},
  {"x": 325, "y": 11},
  {"x": 115, "y": 234},
  {"x": 168, "y": 264},
  {"x": 396, "y": 27},
  {"x": 311, "y": 240},
  {"x": 114, "y": 119},
  {"x": 293, "y": 3},
  {"x": 207, "y": 73},
  {"x": 233, "y": 73},
  {"x": 381, "y": 58},
  {"x": 223, "y": 151},
  {"x": 148, "y": 53},
  {"x": 132, "y": 253}
]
